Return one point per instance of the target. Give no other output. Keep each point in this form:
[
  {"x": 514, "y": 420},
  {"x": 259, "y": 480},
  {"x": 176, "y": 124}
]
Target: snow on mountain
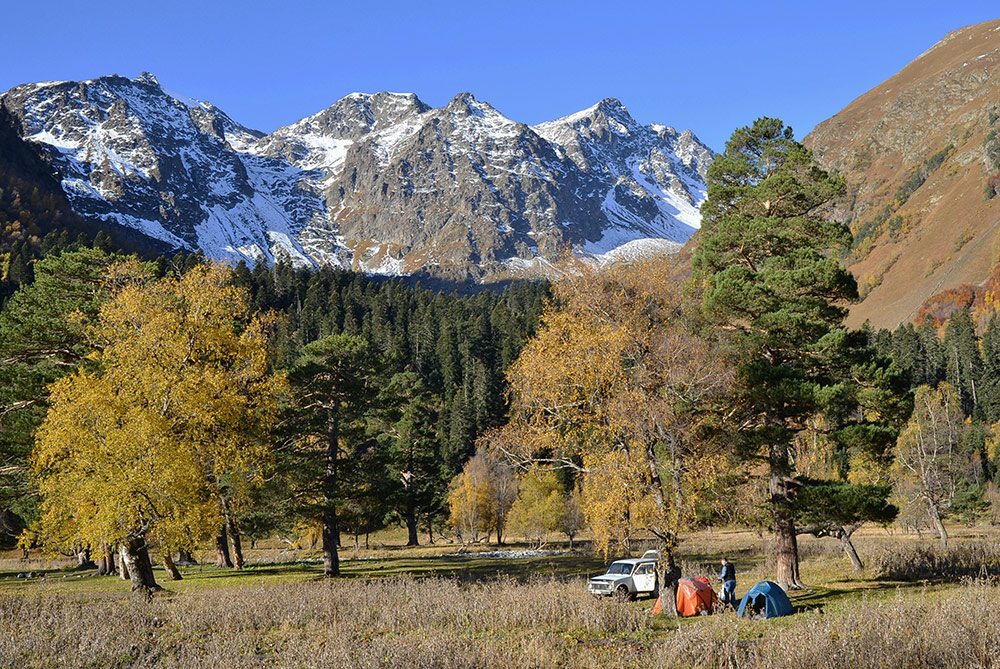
[
  {"x": 658, "y": 175},
  {"x": 130, "y": 152},
  {"x": 379, "y": 182}
]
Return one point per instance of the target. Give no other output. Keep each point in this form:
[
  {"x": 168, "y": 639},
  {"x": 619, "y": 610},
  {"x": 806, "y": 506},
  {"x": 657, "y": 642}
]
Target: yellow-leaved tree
[
  {"x": 540, "y": 507},
  {"x": 617, "y": 386},
  {"x": 471, "y": 506},
  {"x": 167, "y": 430}
]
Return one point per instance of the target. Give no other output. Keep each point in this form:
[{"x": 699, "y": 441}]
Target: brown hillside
[{"x": 918, "y": 153}]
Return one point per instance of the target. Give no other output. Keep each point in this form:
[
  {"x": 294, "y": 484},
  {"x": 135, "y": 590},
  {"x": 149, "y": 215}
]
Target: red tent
[{"x": 694, "y": 595}]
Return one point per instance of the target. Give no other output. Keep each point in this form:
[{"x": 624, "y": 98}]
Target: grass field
[{"x": 429, "y": 606}]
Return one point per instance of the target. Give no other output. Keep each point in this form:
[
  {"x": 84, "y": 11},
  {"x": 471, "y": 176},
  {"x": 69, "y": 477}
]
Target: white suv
[{"x": 627, "y": 578}]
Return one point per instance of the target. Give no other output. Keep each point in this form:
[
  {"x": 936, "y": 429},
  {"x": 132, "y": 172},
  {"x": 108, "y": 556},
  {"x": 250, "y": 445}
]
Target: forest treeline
[
  {"x": 154, "y": 406},
  {"x": 443, "y": 355}
]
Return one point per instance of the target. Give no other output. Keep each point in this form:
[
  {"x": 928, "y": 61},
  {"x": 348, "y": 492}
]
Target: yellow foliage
[
  {"x": 616, "y": 498},
  {"x": 539, "y": 507},
  {"x": 615, "y": 378},
  {"x": 169, "y": 425},
  {"x": 471, "y": 500}
]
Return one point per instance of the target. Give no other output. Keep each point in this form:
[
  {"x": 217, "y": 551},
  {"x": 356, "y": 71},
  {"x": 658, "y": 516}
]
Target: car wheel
[{"x": 622, "y": 594}]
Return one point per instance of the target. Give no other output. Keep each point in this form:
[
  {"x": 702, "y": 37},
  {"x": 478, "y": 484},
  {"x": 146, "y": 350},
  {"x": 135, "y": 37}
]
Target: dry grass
[
  {"x": 441, "y": 623},
  {"x": 966, "y": 559},
  {"x": 480, "y": 612}
]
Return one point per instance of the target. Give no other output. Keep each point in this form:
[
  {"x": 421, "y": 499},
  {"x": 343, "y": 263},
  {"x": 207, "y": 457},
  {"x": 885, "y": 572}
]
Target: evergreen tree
[
  {"x": 766, "y": 266},
  {"x": 334, "y": 385},
  {"x": 964, "y": 364},
  {"x": 414, "y": 463}
]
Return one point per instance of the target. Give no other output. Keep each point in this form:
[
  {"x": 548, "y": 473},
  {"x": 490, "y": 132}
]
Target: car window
[
  {"x": 620, "y": 568},
  {"x": 644, "y": 569}
]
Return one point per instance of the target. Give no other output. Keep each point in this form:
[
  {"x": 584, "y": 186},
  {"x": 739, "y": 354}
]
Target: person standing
[{"x": 728, "y": 578}]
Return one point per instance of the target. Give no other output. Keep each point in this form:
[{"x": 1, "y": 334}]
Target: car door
[{"x": 644, "y": 577}]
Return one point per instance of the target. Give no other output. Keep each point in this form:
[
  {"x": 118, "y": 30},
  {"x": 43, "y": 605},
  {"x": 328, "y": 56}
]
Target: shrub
[{"x": 973, "y": 559}]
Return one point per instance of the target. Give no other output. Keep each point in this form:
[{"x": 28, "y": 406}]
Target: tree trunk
[
  {"x": 411, "y": 505},
  {"x": 171, "y": 568},
  {"x": 234, "y": 535},
  {"x": 135, "y": 557},
  {"x": 668, "y": 573},
  {"x": 939, "y": 526},
  {"x": 222, "y": 558},
  {"x": 786, "y": 546},
  {"x": 105, "y": 560},
  {"x": 83, "y": 560},
  {"x": 331, "y": 531},
  {"x": 109, "y": 553},
  {"x": 185, "y": 557},
  {"x": 845, "y": 541},
  {"x": 411, "y": 528},
  {"x": 122, "y": 567}
]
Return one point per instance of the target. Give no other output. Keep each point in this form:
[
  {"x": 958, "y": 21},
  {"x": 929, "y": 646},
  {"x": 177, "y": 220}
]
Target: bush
[{"x": 974, "y": 559}]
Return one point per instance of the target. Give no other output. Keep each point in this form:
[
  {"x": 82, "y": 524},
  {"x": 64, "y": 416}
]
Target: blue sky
[{"x": 708, "y": 66}]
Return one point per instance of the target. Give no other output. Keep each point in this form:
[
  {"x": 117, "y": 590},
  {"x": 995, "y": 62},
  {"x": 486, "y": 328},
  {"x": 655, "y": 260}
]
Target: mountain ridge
[{"x": 382, "y": 182}]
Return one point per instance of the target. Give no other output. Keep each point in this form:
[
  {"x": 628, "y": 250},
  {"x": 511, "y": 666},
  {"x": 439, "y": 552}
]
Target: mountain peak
[
  {"x": 608, "y": 109},
  {"x": 147, "y": 78}
]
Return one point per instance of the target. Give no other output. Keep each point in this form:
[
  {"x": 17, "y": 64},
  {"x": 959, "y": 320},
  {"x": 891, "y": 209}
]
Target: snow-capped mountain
[{"x": 381, "y": 183}]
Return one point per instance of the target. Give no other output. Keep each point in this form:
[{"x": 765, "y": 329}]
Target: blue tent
[{"x": 766, "y": 600}]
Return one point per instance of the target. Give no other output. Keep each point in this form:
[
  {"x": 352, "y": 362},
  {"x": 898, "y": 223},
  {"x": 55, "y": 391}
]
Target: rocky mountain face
[
  {"x": 921, "y": 155},
  {"x": 380, "y": 183}
]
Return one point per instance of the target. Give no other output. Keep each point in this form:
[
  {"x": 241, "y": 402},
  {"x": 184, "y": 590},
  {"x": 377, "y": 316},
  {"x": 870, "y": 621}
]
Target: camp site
[{"x": 524, "y": 334}]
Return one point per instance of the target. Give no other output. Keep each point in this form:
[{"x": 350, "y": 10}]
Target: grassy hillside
[{"x": 920, "y": 156}]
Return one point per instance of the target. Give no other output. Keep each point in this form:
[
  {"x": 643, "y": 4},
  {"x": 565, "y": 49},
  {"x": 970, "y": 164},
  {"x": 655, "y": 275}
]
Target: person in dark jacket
[{"x": 728, "y": 578}]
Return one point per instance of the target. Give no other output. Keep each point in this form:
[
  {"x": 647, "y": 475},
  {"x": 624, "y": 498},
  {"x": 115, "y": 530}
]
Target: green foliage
[
  {"x": 824, "y": 504},
  {"x": 963, "y": 362},
  {"x": 459, "y": 346},
  {"x": 768, "y": 273},
  {"x": 766, "y": 270}
]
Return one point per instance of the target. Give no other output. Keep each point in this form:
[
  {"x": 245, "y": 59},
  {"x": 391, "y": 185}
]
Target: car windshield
[{"x": 620, "y": 568}]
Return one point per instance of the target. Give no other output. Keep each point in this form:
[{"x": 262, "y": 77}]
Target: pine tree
[
  {"x": 767, "y": 271},
  {"x": 963, "y": 360},
  {"x": 334, "y": 385}
]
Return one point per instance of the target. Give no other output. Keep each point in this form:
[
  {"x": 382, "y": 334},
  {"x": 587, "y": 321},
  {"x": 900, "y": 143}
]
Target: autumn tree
[
  {"x": 151, "y": 445},
  {"x": 472, "y": 512},
  {"x": 503, "y": 491},
  {"x": 614, "y": 386},
  {"x": 44, "y": 336},
  {"x": 540, "y": 506},
  {"x": 768, "y": 273},
  {"x": 334, "y": 386},
  {"x": 930, "y": 461}
]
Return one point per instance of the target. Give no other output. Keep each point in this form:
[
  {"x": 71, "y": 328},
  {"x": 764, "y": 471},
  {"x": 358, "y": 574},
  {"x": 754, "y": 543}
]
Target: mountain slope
[
  {"x": 129, "y": 152},
  {"x": 380, "y": 183},
  {"x": 921, "y": 156}
]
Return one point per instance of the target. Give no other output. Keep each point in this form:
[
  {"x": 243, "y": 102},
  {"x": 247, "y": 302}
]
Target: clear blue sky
[{"x": 706, "y": 66}]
